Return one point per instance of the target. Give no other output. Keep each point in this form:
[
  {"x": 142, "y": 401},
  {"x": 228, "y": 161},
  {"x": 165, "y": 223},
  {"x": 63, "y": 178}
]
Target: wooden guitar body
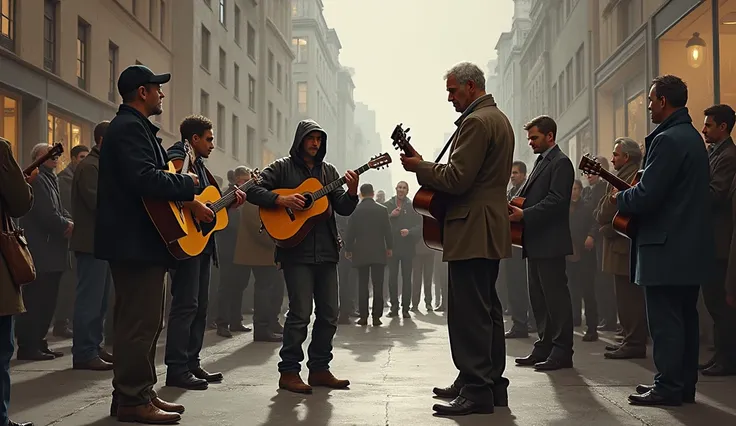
[
  {"x": 431, "y": 206},
  {"x": 167, "y": 216},
  {"x": 625, "y": 225},
  {"x": 517, "y": 229},
  {"x": 194, "y": 242},
  {"x": 289, "y": 227}
]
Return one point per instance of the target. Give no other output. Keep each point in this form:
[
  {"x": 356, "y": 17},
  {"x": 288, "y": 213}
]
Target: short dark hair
[
  {"x": 672, "y": 88},
  {"x": 577, "y": 182},
  {"x": 100, "y": 130},
  {"x": 78, "y": 149},
  {"x": 194, "y": 125},
  {"x": 133, "y": 94},
  {"x": 722, "y": 114},
  {"x": 520, "y": 164},
  {"x": 545, "y": 124},
  {"x": 366, "y": 189}
]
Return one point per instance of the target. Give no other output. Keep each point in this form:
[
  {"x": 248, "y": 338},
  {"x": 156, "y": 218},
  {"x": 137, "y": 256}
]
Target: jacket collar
[
  {"x": 483, "y": 101},
  {"x": 127, "y": 109},
  {"x": 681, "y": 116}
]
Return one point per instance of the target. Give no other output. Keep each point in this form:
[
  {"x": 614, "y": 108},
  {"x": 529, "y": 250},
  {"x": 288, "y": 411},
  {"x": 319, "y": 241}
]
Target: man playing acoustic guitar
[{"x": 310, "y": 267}]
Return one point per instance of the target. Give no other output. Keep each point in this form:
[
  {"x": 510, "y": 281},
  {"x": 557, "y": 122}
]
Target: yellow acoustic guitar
[
  {"x": 199, "y": 233},
  {"x": 289, "y": 227}
]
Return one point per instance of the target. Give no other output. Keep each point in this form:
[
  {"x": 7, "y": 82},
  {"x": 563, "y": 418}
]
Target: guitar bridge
[{"x": 291, "y": 214}]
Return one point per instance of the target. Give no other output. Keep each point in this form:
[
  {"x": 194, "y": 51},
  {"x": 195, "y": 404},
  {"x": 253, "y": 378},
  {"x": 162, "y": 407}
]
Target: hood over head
[{"x": 304, "y": 128}]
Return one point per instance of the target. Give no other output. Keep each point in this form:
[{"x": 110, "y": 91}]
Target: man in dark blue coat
[{"x": 672, "y": 208}]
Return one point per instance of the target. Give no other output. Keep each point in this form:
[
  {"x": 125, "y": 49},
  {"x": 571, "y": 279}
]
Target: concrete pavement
[{"x": 392, "y": 369}]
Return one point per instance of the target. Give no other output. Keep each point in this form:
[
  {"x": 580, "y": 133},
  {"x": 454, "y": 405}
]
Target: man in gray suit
[{"x": 546, "y": 241}]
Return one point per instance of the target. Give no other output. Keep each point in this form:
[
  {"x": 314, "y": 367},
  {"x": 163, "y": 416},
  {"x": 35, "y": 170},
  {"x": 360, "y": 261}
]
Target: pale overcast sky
[{"x": 400, "y": 50}]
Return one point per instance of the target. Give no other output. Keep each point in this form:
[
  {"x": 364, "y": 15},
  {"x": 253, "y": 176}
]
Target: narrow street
[{"x": 392, "y": 370}]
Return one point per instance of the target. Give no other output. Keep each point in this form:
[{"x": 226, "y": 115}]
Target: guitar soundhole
[{"x": 309, "y": 200}]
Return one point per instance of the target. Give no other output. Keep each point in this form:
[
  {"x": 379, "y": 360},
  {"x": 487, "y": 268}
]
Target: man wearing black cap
[{"x": 132, "y": 164}]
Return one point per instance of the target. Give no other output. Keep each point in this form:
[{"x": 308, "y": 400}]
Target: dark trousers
[
  {"x": 441, "y": 275},
  {"x": 552, "y": 307},
  {"x": 724, "y": 316},
  {"x": 188, "y": 317},
  {"x": 40, "y": 300},
  {"x": 581, "y": 280},
  {"x": 347, "y": 284},
  {"x": 268, "y": 294},
  {"x": 90, "y": 306},
  {"x": 632, "y": 312},
  {"x": 422, "y": 273},
  {"x": 673, "y": 324},
  {"x": 6, "y": 352},
  {"x": 405, "y": 263},
  {"x": 64, "y": 312},
  {"x": 139, "y": 315},
  {"x": 234, "y": 280},
  {"x": 475, "y": 325},
  {"x": 522, "y": 315},
  {"x": 375, "y": 274},
  {"x": 309, "y": 284},
  {"x": 604, "y": 289}
]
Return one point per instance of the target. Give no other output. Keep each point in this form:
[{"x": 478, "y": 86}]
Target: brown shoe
[
  {"x": 106, "y": 356},
  {"x": 292, "y": 382},
  {"x": 147, "y": 414},
  {"x": 167, "y": 406},
  {"x": 326, "y": 379},
  {"x": 95, "y": 364}
]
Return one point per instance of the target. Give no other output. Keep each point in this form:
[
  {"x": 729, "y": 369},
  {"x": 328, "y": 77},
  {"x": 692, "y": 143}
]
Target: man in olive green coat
[
  {"x": 477, "y": 234},
  {"x": 16, "y": 199}
]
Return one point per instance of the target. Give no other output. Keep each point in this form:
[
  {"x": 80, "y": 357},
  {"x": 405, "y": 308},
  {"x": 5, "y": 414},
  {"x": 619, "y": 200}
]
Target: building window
[
  {"x": 300, "y": 49},
  {"x": 112, "y": 62},
  {"x": 205, "y": 60},
  {"x": 579, "y": 70},
  {"x": 151, "y": 13},
  {"x": 569, "y": 88},
  {"x": 9, "y": 122},
  {"x": 301, "y": 88},
  {"x": 236, "y": 81},
  {"x": 204, "y": 103},
  {"x": 270, "y": 66},
  {"x": 222, "y": 12},
  {"x": 49, "y": 35},
  {"x": 221, "y": 126},
  {"x": 250, "y": 139},
  {"x": 236, "y": 137},
  {"x": 162, "y": 20},
  {"x": 223, "y": 67},
  {"x": 251, "y": 42},
  {"x": 251, "y": 92},
  {"x": 237, "y": 25},
  {"x": 82, "y": 44},
  {"x": 69, "y": 133},
  {"x": 7, "y": 24},
  {"x": 279, "y": 76},
  {"x": 270, "y": 116},
  {"x": 553, "y": 101},
  {"x": 134, "y": 7},
  {"x": 278, "y": 124}
]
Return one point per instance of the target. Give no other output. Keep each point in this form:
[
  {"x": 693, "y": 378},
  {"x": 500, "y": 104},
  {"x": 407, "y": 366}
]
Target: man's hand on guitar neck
[
  {"x": 293, "y": 201},
  {"x": 411, "y": 162},
  {"x": 352, "y": 179},
  {"x": 30, "y": 178}
]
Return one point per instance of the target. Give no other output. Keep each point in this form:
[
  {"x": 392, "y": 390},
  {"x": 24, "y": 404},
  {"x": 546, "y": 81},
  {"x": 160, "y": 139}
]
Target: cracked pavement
[{"x": 392, "y": 369}]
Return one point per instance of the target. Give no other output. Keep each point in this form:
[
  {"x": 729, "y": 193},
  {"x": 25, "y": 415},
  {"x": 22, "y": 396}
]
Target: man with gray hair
[
  {"x": 626, "y": 161},
  {"x": 477, "y": 235}
]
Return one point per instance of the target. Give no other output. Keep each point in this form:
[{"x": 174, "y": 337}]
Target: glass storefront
[
  {"x": 10, "y": 121},
  {"x": 69, "y": 132},
  {"x": 688, "y": 50}
]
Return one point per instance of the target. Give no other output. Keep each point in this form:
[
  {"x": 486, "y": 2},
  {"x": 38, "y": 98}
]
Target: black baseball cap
[{"x": 136, "y": 76}]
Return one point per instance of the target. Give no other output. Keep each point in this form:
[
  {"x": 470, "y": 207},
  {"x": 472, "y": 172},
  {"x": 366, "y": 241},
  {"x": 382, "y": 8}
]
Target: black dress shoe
[
  {"x": 377, "y": 322},
  {"x": 240, "y": 328},
  {"x": 626, "y": 353},
  {"x": 203, "y": 374},
  {"x": 362, "y": 321},
  {"x": 55, "y": 354},
  {"x": 462, "y": 407},
  {"x": 450, "y": 392},
  {"x": 224, "y": 331},
  {"x": 552, "y": 364},
  {"x": 718, "y": 370},
  {"x": 707, "y": 364},
  {"x": 12, "y": 423},
  {"x": 590, "y": 336},
  {"x": 613, "y": 347},
  {"x": 105, "y": 355},
  {"x": 187, "y": 381},
  {"x": 642, "y": 389},
  {"x": 406, "y": 315},
  {"x": 268, "y": 337},
  {"x": 651, "y": 398},
  {"x": 277, "y": 328},
  {"x": 529, "y": 361},
  {"x": 516, "y": 334},
  {"x": 34, "y": 356}
]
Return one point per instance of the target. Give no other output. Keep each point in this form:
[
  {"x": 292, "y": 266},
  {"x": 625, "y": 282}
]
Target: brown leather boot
[
  {"x": 147, "y": 414},
  {"x": 167, "y": 406},
  {"x": 326, "y": 379},
  {"x": 293, "y": 383}
]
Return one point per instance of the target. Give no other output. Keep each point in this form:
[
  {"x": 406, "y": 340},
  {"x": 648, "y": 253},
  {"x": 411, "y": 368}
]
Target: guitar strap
[{"x": 447, "y": 145}]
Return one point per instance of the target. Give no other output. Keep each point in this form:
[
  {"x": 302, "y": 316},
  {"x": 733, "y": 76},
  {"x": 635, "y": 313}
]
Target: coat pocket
[{"x": 458, "y": 213}]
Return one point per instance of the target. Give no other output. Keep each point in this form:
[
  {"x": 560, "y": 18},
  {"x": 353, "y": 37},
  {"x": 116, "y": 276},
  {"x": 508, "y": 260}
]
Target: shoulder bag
[{"x": 14, "y": 249}]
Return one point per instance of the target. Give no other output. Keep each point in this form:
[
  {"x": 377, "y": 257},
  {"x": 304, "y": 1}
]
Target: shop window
[
  {"x": 68, "y": 132},
  {"x": 10, "y": 121},
  {"x": 727, "y": 36}
]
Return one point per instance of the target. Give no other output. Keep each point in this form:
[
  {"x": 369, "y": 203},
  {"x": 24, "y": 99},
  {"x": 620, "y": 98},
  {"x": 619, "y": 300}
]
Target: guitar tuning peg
[
  {"x": 407, "y": 130},
  {"x": 408, "y": 139}
]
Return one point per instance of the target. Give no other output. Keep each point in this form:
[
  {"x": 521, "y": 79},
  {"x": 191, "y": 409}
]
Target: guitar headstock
[
  {"x": 400, "y": 140},
  {"x": 589, "y": 165},
  {"x": 255, "y": 175},
  {"x": 189, "y": 151},
  {"x": 380, "y": 161},
  {"x": 56, "y": 150}
]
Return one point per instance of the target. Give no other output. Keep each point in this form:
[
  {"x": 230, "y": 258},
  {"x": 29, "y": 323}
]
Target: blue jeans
[
  {"x": 6, "y": 352},
  {"x": 90, "y": 306}
]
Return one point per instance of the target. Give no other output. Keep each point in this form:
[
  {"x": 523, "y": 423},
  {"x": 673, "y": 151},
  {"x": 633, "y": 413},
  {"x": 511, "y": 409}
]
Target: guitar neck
[
  {"x": 614, "y": 180},
  {"x": 338, "y": 183},
  {"x": 229, "y": 197}
]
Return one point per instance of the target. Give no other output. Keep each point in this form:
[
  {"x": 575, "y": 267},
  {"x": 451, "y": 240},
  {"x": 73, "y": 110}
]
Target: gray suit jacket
[{"x": 369, "y": 234}]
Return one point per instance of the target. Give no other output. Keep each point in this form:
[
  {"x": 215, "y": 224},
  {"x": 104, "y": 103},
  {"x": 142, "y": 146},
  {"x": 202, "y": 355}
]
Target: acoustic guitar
[
  {"x": 289, "y": 227},
  {"x": 517, "y": 228},
  {"x": 199, "y": 233},
  {"x": 622, "y": 224},
  {"x": 169, "y": 217},
  {"x": 431, "y": 205}
]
